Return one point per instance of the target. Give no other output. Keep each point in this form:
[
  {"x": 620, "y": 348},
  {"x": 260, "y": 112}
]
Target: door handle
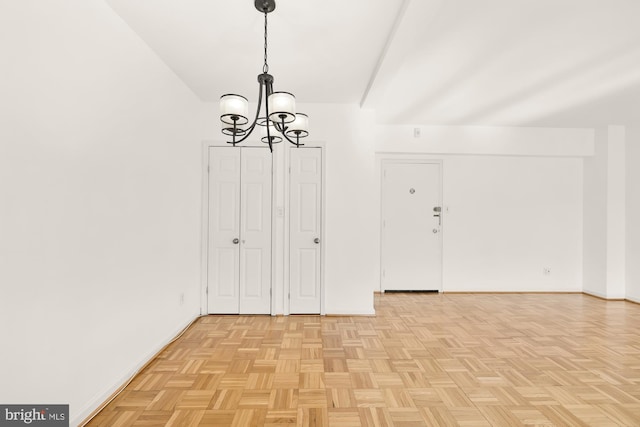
[
  {"x": 316, "y": 240},
  {"x": 236, "y": 241}
]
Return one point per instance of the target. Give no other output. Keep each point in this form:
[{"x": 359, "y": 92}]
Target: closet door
[
  {"x": 305, "y": 231},
  {"x": 239, "y": 247},
  {"x": 255, "y": 231},
  {"x": 223, "y": 267}
]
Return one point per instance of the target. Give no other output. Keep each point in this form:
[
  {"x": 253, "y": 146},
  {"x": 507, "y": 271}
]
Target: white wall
[
  {"x": 616, "y": 212},
  {"x": 595, "y": 217},
  {"x": 99, "y": 203},
  {"x": 486, "y": 140},
  {"x": 605, "y": 215},
  {"x": 350, "y": 223},
  {"x": 508, "y": 219},
  {"x": 514, "y": 207},
  {"x": 633, "y": 213}
]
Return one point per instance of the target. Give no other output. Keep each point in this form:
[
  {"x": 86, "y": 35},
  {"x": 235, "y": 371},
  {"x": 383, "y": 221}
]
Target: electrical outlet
[
  {"x": 182, "y": 298},
  {"x": 546, "y": 271},
  {"x": 416, "y": 132}
]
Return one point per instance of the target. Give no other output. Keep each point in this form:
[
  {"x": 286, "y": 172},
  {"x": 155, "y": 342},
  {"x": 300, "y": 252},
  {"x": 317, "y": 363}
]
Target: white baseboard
[
  {"x": 517, "y": 291},
  {"x": 633, "y": 299},
  {"x": 352, "y": 313},
  {"x": 101, "y": 398},
  {"x": 595, "y": 294},
  {"x": 606, "y": 297}
]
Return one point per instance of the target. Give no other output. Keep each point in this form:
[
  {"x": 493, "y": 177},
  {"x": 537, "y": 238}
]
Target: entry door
[
  {"x": 411, "y": 227},
  {"x": 239, "y": 256},
  {"x": 305, "y": 230}
]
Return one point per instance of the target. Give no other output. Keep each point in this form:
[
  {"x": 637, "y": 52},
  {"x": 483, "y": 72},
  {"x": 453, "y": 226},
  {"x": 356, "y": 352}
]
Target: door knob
[
  {"x": 316, "y": 240},
  {"x": 236, "y": 241},
  {"x": 435, "y": 230}
]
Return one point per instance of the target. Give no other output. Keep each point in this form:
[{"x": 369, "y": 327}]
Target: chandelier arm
[
  {"x": 297, "y": 144},
  {"x": 269, "y": 138},
  {"x": 282, "y": 128},
  {"x": 235, "y": 130},
  {"x": 266, "y": 109},
  {"x": 255, "y": 121}
]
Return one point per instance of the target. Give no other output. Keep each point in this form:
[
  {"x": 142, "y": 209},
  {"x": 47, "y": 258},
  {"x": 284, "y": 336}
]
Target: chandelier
[{"x": 280, "y": 119}]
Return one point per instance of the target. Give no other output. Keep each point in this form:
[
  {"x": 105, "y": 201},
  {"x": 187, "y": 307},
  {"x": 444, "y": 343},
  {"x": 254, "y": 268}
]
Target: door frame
[
  {"x": 204, "y": 246},
  {"x": 381, "y": 161},
  {"x": 287, "y": 222}
]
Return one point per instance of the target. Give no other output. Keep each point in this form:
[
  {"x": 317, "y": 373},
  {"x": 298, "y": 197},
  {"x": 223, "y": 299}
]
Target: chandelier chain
[{"x": 265, "y": 67}]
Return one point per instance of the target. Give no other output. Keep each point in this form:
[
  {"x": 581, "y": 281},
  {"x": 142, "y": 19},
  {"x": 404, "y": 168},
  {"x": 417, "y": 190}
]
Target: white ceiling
[{"x": 491, "y": 62}]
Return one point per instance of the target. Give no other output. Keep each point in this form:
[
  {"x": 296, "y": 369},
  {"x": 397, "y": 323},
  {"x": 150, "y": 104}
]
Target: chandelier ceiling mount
[{"x": 265, "y": 6}]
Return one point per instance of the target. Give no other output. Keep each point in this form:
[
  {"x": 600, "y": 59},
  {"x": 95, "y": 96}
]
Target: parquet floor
[{"x": 424, "y": 360}]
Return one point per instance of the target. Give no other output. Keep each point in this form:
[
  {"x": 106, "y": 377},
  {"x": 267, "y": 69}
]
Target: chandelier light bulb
[
  {"x": 300, "y": 126},
  {"x": 282, "y": 107},
  {"x": 234, "y": 107}
]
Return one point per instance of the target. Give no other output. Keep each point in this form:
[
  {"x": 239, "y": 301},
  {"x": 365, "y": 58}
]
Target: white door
[
  {"x": 255, "y": 231},
  {"x": 223, "y": 270},
  {"x": 305, "y": 233},
  {"x": 239, "y": 247},
  {"x": 411, "y": 227}
]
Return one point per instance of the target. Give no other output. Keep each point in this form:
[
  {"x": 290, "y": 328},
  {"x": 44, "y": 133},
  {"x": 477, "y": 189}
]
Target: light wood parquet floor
[{"x": 424, "y": 360}]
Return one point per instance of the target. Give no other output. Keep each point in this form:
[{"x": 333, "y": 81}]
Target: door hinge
[
  {"x": 208, "y": 169},
  {"x": 289, "y": 295}
]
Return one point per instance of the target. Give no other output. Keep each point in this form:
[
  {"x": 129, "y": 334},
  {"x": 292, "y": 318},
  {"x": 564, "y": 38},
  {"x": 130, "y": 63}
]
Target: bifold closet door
[
  {"x": 255, "y": 230},
  {"x": 239, "y": 246},
  {"x": 223, "y": 269}
]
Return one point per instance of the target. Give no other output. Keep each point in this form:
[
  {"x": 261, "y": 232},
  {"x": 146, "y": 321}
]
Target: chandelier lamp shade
[{"x": 279, "y": 121}]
